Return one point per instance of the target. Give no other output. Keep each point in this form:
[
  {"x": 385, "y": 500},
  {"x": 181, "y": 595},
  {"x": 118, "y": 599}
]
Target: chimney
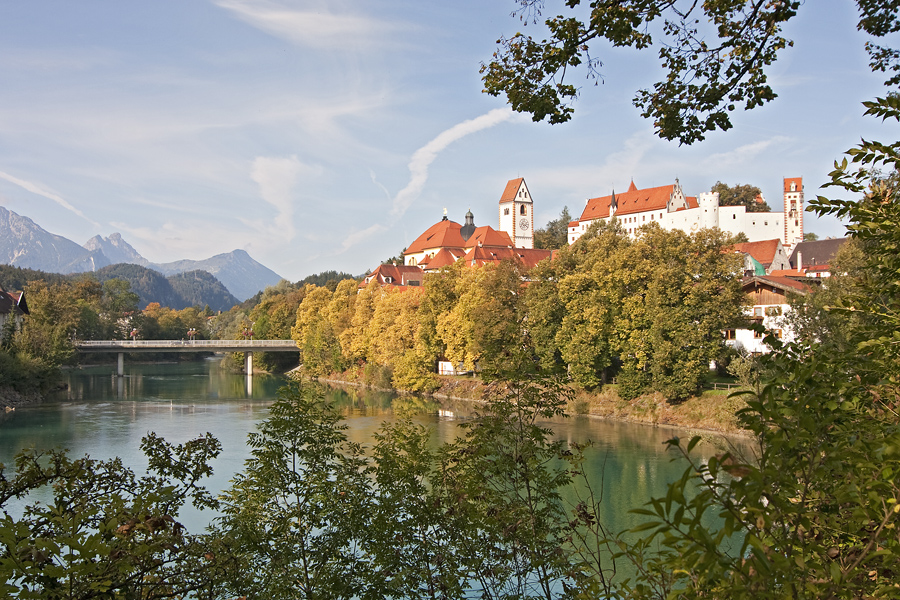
[{"x": 799, "y": 260}]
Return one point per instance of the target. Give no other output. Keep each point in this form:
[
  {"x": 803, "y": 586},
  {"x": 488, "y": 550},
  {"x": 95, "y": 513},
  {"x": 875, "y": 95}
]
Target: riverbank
[
  {"x": 713, "y": 410},
  {"x": 11, "y": 399}
]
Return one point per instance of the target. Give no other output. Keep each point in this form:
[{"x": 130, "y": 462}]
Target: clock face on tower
[{"x": 523, "y": 224}]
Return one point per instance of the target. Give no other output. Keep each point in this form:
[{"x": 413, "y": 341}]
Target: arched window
[{"x": 522, "y": 210}]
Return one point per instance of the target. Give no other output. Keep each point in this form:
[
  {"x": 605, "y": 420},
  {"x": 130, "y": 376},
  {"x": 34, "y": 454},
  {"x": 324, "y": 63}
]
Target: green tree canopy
[
  {"x": 715, "y": 56},
  {"x": 741, "y": 195},
  {"x": 554, "y": 235}
]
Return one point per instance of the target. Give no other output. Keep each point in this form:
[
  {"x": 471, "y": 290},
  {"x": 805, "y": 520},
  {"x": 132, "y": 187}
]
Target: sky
[{"x": 327, "y": 135}]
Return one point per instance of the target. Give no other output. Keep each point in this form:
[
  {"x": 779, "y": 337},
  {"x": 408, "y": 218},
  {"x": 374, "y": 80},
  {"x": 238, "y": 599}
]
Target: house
[
  {"x": 12, "y": 306},
  {"x": 672, "y": 209},
  {"x": 813, "y": 259},
  {"x": 763, "y": 257},
  {"x": 767, "y": 303},
  {"x": 395, "y": 275}
]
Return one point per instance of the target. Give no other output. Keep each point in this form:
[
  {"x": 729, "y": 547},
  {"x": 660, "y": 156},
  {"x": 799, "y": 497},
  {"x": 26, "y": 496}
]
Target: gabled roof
[
  {"x": 633, "y": 201},
  {"x": 488, "y": 236},
  {"x": 13, "y": 302},
  {"x": 511, "y": 189},
  {"x": 763, "y": 251},
  {"x": 785, "y": 284},
  {"x": 399, "y": 275},
  {"x": 444, "y": 258},
  {"x": 440, "y": 235},
  {"x": 816, "y": 253}
]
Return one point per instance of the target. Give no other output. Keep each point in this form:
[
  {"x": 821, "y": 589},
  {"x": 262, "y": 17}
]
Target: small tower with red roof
[{"x": 793, "y": 211}]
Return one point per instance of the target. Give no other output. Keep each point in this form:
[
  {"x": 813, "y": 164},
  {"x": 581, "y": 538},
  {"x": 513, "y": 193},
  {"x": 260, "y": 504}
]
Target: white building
[
  {"x": 767, "y": 305},
  {"x": 668, "y": 206}
]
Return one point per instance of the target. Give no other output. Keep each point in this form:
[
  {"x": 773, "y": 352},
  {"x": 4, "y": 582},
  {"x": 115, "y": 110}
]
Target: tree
[
  {"x": 810, "y": 237},
  {"x": 298, "y": 512},
  {"x": 815, "y": 514},
  {"x": 555, "y": 234},
  {"x": 748, "y": 196},
  {"x": 106, "y": 533},
  {"x": 714, "y": 55}
]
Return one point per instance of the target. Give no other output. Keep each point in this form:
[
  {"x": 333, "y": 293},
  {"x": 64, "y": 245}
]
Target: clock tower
[{"x": 517, "y": 213}]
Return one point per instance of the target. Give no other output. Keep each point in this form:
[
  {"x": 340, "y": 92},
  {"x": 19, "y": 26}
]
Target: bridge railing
[{"x": 212, "y": 344}]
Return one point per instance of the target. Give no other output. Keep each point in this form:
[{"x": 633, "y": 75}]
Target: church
[
  {"x": 672, "y": 209},
  {"x": 446, "y": 241}
]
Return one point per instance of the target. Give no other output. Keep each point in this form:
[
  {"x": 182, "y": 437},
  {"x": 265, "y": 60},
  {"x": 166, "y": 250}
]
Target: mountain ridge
[{"x": 24, "y": 243}]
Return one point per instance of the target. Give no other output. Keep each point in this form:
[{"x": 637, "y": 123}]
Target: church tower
[
  {"x": 517, "y": 213},
  {"x": 793, "y": 211}
]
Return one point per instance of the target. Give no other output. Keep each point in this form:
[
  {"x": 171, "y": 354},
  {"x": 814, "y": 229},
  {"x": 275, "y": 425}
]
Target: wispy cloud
[
  {"x": 40, "y": 191},
  {"x": 318, "y": 29},
  {"x": 743, "y": 154},
  {"x": 424, "y": 156},
  {"x": 277, "y": 178},
  {"x": 359, "y": 236}
]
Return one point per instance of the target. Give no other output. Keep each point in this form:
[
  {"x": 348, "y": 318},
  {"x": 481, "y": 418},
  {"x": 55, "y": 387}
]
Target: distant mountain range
[{"x": 23, "y": 243}]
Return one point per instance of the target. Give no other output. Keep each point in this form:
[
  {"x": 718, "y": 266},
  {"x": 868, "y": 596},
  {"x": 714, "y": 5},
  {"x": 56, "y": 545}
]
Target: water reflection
[{"x": 626, "y": 463}]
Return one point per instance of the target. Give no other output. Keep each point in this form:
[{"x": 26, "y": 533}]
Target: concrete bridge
[{"x": 248, "y": 347}]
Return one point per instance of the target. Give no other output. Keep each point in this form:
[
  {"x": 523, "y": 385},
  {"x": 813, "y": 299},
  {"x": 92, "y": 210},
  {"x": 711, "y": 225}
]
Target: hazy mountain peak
[{"x": 116, "y": 249}]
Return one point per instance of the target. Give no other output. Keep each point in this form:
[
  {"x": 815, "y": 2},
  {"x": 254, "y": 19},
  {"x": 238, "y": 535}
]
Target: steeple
[
  {"x": 613, "y": 205},
  {"x": 468, "y": 229}
]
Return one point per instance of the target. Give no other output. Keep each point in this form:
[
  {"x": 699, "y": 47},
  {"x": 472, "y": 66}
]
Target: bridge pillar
[
  {"x": 120, "y": 370},
  {"x": 248, "y": 363}
]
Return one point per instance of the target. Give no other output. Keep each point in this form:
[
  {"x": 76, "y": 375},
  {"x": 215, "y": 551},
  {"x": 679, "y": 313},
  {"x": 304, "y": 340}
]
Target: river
[{"x": 103, "y": 417}]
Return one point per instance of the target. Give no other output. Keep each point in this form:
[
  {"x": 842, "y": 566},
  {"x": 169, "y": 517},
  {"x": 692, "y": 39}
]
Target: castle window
[
  {"x": 734, "y": 216},
  {"x": 522, "y": 209},
  {"x": 505, "y": 211}
]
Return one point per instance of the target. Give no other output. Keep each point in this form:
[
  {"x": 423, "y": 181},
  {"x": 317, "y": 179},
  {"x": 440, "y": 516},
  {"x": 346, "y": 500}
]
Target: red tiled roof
[
  {"x": 488, "y": 236},
  {"x": 481, "y": 255},
  {"x": 789, "y": 180},
  {"x": 763, "y": 252},
  {"x": 442, "y": 234},
  {"x": 399, "y": 275},
  {"x": 632, "y": 201},
  {"x": 512, "y": 188},
  {"x": 788, "y": 273}
]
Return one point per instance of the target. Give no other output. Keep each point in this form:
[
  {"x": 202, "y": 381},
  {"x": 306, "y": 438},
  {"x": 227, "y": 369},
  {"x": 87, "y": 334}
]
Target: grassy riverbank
[{"x": 713, "y": 410}]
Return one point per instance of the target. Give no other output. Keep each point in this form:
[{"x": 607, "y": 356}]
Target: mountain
[
  {"x": 195, "y": 288},
  {"x": 116, "y": 249},
  {"x": 242, "y": 275},
  {"x": 23, "y": 243}
]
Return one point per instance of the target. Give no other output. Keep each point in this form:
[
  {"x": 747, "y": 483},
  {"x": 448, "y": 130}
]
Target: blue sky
[{"x": 328, "y": 135}]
